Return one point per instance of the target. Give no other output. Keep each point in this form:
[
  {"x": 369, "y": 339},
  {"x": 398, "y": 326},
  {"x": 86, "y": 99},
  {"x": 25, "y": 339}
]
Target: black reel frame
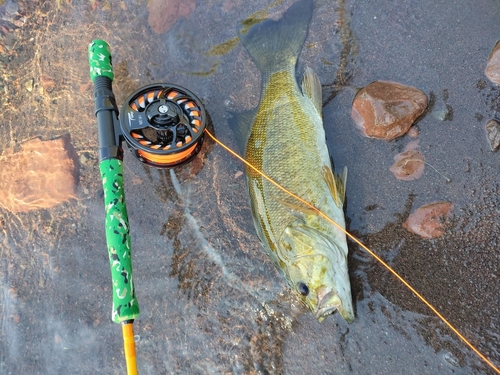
[{"x": 163, "y": 125}]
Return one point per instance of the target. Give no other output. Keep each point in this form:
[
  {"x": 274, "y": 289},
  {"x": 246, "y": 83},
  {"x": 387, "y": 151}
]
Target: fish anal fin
[
  {"x": 311, "y": 87},
  {"x": 336, "y": 184}
]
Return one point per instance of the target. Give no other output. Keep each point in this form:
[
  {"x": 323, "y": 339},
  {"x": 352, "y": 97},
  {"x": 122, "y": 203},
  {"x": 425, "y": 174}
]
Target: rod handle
[
  {"x": 100, "y": 63},
  {"x": 125, "y": 305}
]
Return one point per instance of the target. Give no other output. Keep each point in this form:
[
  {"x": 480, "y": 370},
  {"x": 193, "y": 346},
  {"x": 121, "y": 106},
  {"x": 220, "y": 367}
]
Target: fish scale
[{"x": 291, "y": 156}]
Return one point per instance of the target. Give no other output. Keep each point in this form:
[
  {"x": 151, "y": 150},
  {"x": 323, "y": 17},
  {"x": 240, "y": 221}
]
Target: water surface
[{"x": 211, "y": 300}]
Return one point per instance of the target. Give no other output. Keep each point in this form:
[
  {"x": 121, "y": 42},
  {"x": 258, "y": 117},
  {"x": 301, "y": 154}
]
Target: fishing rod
[{"x": 163, "y": 126}]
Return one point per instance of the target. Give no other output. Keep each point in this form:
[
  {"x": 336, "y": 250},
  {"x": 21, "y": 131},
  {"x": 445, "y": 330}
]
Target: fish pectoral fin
[
  {"x": 299, "y": 210},
  {"x": 336, "y": 184},
  {"x": 241, "y": 125},
  {"x": 311, "y": 87}
]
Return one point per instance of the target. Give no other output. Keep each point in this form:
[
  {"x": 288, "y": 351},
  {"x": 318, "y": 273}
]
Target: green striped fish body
[{"x": 284, "y": 137}]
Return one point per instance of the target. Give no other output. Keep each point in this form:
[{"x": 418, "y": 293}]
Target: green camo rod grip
[
  {"x": 100, "y": 60},
  {"x": 125, "y": 306}
]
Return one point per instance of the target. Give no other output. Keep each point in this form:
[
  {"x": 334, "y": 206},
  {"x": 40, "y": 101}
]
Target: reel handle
[{"x": 125, "y": 305}]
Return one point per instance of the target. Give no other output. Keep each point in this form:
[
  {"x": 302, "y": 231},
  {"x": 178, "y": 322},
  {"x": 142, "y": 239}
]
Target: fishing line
[{"x": 400, "y": 278}]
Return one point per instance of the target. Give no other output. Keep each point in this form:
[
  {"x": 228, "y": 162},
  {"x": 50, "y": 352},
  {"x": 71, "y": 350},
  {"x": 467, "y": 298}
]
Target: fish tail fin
[{"x": 275, "y": 45}]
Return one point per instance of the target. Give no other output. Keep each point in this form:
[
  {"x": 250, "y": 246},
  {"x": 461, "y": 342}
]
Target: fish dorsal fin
[
  {"x": 311, "y": 87},
  {"x": 336, "y": 184}
]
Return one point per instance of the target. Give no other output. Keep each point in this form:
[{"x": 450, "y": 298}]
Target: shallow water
[{"x": 211, "y": 300}]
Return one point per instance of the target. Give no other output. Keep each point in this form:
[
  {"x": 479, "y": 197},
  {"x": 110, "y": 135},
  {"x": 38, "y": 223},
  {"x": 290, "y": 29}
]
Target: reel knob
[
  {"x": 163, "y": 125},
  {"x": 163, "y": 114}
]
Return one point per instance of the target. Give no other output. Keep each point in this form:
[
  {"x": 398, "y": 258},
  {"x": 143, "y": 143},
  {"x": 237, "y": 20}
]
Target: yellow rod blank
[{"x": 129, "y": 348}]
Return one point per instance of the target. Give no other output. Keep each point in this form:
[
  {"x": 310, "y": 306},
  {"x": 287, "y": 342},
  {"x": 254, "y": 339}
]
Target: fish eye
[{"x": 303, "y": 289}]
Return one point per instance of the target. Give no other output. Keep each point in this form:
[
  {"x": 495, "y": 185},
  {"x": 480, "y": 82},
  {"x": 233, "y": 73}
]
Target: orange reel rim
[{"x": 168, "y": 160}]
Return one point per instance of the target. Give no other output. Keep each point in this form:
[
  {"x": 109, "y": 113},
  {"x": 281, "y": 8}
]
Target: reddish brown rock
[
  {"x": 386, "y": 110},
  {"x": 428, "y": 221},
  {"x": 164, "y": 13},
  {"x": 413, "y": 132},
  {"x": 230, "y": 4},
  {"x": 41, "y": 175},
  {"x": 492, "y": 70},
  {"x": 409, "y": 164},
  {"x": 47, "y": 81}
]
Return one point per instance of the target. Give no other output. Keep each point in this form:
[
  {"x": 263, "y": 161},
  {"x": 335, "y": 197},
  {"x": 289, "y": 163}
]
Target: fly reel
[{"x": 163, "y": 125}]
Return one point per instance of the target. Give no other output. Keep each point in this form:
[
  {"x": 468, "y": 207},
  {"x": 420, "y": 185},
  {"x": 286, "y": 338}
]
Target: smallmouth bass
[{"x": 284, "y": 138}]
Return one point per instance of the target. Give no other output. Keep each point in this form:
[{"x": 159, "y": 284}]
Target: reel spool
[{"x": 163, "y": 125}]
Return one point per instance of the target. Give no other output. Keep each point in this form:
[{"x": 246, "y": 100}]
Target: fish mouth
[
  {"x": 328, "y": 302},
  {"x": 324, "y": 311}
]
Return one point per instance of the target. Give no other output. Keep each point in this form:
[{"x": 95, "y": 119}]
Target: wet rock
[
  {"x": 47, "y": 81},
  {"x": 409, "y": 164},
  {"x": 451, "y": 359},
  {"x": 492, "y": 70},
  {"x": 493, "y": 133},
  {"x": 386, "y": 110},
  {"x": 429, "y": 220},
  {"x": 164, "y": 13},
  {"x": 230, "y": 4},
  {"x": 11, "y": 8},
  {"x": 413, "y": 132},
  {"x": 444, "y": 114},
  {"x": 29, "y": 84},
  {"x": 41, "y": 175}
]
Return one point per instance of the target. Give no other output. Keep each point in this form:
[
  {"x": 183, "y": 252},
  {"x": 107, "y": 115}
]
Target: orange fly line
[{"x": 400, "y": 278}]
